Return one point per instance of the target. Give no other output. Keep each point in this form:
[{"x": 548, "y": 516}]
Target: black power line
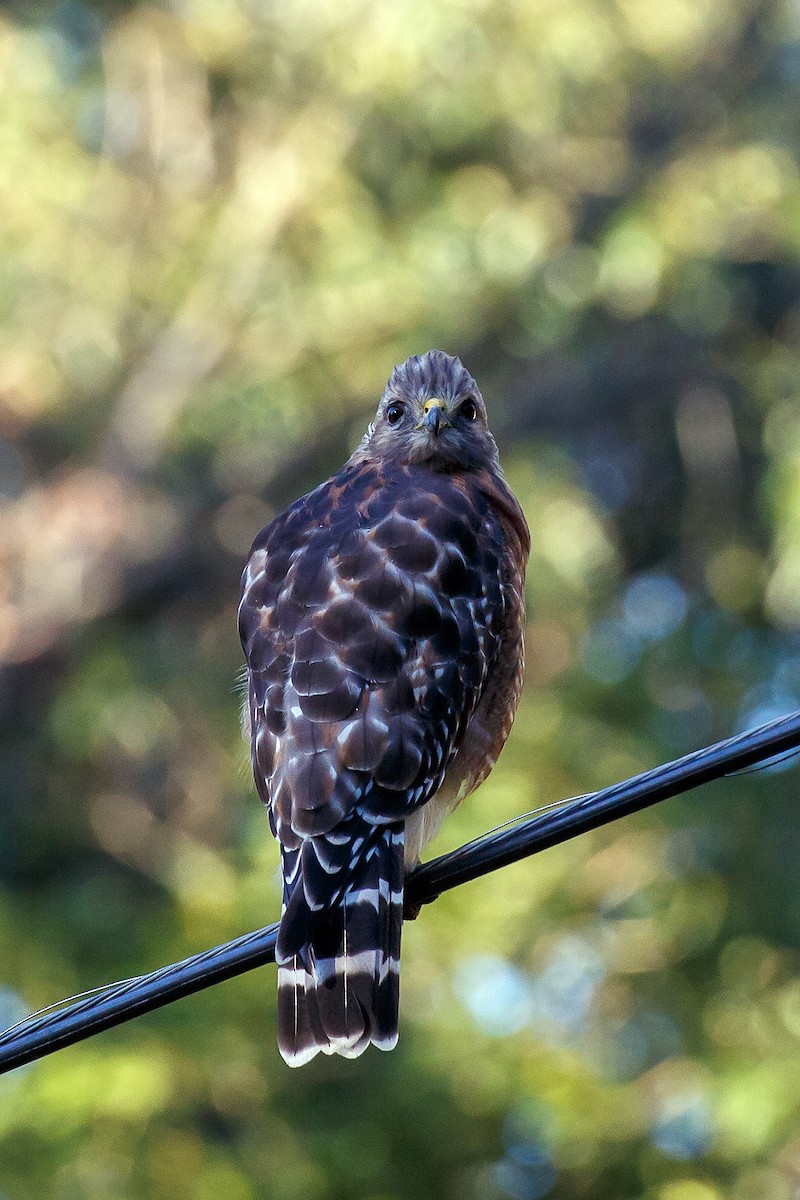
[{"x": 40, "y": 1035}]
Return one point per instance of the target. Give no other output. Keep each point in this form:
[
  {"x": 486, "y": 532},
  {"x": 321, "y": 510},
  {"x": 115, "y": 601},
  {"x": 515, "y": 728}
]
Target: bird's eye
[
  {"x": 394, "y": 412},
  {"x": 469, "y": 410}
]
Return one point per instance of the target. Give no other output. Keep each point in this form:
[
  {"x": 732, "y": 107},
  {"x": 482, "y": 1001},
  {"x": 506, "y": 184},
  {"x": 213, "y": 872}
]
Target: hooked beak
[{"x": 434, "y": 417}]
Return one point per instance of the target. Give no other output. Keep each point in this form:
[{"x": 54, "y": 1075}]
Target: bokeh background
[{"x": 221, "y": 223}]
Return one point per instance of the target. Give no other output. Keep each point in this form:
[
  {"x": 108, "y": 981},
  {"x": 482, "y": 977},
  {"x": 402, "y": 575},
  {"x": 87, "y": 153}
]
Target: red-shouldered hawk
[{"x": 382, "y": 619}]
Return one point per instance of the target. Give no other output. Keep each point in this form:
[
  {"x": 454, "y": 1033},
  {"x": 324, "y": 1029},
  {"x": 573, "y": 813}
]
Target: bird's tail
[{"x": 339, "y": 966}]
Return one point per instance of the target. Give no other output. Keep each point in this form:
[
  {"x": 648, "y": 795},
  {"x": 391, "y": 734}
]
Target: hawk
[{"x": 381, "y": 617}]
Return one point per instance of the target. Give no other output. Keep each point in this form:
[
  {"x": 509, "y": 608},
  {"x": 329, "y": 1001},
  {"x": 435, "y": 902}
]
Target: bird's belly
[
  {"x": 423, "y": 825},
  {"x": 485, "y": 737},
  {"x": 483, "y": 742}
]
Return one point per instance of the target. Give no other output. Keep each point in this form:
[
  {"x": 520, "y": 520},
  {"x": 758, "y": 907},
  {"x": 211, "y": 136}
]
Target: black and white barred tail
[{"x": 339, "y": 966}]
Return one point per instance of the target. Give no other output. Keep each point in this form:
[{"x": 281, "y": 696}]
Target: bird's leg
[{"x": 412, "y": 908}]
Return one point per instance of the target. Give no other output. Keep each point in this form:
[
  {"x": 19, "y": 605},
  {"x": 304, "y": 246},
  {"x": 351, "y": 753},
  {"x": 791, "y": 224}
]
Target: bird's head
[{"x": 431, "y": 412}]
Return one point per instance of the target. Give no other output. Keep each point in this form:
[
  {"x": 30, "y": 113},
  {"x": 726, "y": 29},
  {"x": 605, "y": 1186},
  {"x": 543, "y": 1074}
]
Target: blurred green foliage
[{"x": 222, "y": 222}]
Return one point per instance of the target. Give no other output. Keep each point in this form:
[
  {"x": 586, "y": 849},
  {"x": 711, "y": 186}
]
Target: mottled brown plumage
[{"x": 381, "y": 618}]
